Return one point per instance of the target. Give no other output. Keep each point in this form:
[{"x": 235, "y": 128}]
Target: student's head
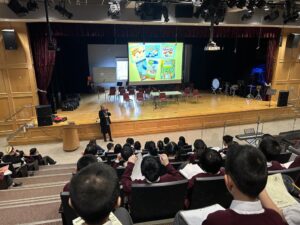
[
  {"x": 211, "y": 161},
  {"x": 160, "y": 145},
  {"x": 227, "y": 140},
  {"x": 130, "y": 141},
  {"x": 118, "y": 148},
  {"x": 137, "y": 145},
  {"x": 92, "y": 142},
  {"x": 270, "y": 148},
  {"x": 246, "y": 171},
  {"x": 90, "y": 150},
  {"x": 109, "y": 146},
  {"x": 181, "y": 140},
  {"x": 150, "y": 168},
  {"x": 199, "y": 144},
  {"x": 171, "y": 148},
  {"x": 85, "y": 160},
  {"x": 32, "y": 151},
  {"x": 152, "y": 148},
  {"x": 94, "y": 192},
  {"x": 126, "y": 152},
  {"x": 166, "y": 140}
]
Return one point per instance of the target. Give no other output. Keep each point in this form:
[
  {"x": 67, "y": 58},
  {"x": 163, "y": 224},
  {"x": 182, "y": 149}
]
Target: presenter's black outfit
[{"x": 105, "y": 123}]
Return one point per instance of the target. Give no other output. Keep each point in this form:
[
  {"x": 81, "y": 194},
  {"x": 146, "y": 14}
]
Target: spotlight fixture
[
  {"x": 273, "y": 15},
  {"x": 114, "y": 9},
  {"x": 260, "y": 4},
  {"x": 149, "y": 11},
  {"x": 248, "y": 15},
  {"x": 211, "y": 45},
  {"x": 17, "y": 8},
  {"x": 241, "y": 3},
  {"x": 231, "y": 3},
  {"x": 197, "y": 3},
  {"x": 32, "y": 5},
  {"x": 165, "y": 13},
  {"x": 61, "y": 8}
]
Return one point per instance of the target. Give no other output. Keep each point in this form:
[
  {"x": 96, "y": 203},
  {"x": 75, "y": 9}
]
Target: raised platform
[{"x": 134, "y": 118}]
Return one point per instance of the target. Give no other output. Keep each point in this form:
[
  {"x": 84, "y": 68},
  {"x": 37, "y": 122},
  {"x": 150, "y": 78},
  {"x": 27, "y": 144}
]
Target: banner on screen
[{"x": 155, "y": 63}]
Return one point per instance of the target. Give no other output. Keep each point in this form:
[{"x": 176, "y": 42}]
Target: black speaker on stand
[
  {"x": 44, "y": 115},
  {"x": 9, "y": 38},
  {"x": 283, "y": 98}
]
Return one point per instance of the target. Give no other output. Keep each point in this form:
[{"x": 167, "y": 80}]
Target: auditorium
[{"x": 150, "y": 112}]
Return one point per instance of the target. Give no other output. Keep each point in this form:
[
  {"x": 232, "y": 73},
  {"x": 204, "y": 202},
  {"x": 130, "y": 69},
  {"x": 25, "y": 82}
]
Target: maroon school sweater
[
  {"x": 192, "y": 180},
  {"x": 296, "y": 162},
  {"x": 230, "y": 217},
  {"x": 275, "y": 166},
  {"x": 171, "y": 175}
]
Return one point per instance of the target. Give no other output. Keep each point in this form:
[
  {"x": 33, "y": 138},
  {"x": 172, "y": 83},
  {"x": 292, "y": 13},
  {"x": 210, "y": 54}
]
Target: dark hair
[
  {"x": 85, "y": 161},
  {"x": 126, "y": 152},
  {"x": 171, "y": 148},
  {"x": 150, "y": 168},
  {"x": 32, "y": 151},
  {"x": 211, "y": 161},
  {"x": 109, "y": 146},
  {"x": 118, "y": 148},
  {"x": 137, "y": 145},
  {"x": 199, "y": 144},
  {"x": 166, "y": 140},
  {"x": 130, "y": 141},
  {"x": 92, "y": 142},
  {"x": 94, "y": 192},
  {"x": 1, "y": 154},
  {"x": 227, "y": 139},
  {"x": 160, "y": 145},
  {"x": 181, "y": 141},
  {"x": 151, "y": 147},
  {"x": 270, "y": 148},
  {"x": 247, "y": 167},
  {"x": 90, "y": 150}
]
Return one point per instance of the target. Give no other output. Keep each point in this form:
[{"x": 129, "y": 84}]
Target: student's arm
[
  {"x": 267, "y": 202},
  {"x": 126, "y": 177},
  {"x": 170, "y": 169}
]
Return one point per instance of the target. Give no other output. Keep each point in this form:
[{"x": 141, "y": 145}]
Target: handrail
[
  {"x": 12, "y": 135},
  {"x": 18, "y": 111}
]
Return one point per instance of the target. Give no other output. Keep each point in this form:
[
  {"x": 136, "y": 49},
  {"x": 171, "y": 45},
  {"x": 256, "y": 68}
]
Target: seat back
[
  {"x": 67, "y": 213},
  {"x": 157, "y": 201},
  {"x": 112, "y": 91},
  {"x": 195, "y": 92},
  {"x": 293, "y": 172},
  {"x": 208, "y": 191},
  {"x": 282, "y": 157},
  {"x": 162, "y": 95},
  {"x": 140, "y": 96},
  {"x": 131, "y": 92},
  {"x": 126, "y": 97},
  {"x": 122, "y": 91}
]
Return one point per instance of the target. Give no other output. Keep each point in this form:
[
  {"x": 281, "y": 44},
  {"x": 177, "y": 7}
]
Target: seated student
[
  {"x": 181, "y": 141},
  {"x": 227, "y": 141},
  {"x": 84, "y": 161},
  {"x": 93, "y": 142},
  {"x": 151, "y": 148},
  {"x": 137, "y": 147},
  {"x": 117, "y": 149},
  {"x": 245, "y": 177},
  {"x": 95, "y": 195},
  {"x": 199, "y": 148},
  {"x": 150, "y": 168},
  {"x": 211, "y": 163},
  {"x": 171, "y": 150},
  {"x": 109, "y": 147},
  {"x": 271, "y": 148},
  {"x": 123, "y": 157},
  {"x": 160, "y": 146},
  {"x": 166, "y": 140},
  {"x": 130, "y": 141},
  {"x": 43, "y": 160},
  {"x": 13, "y": 156}
]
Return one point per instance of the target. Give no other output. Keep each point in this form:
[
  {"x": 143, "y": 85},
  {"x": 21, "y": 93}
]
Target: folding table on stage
[{"x": 155, "y": 96}]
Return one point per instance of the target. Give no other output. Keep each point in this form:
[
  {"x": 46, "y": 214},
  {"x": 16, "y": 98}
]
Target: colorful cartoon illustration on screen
[
  {"x": 168, "y": 69},
  {"x": 142, "y": 69},
  {"x": 168, "y": 50},
  {"x": 137, "y": 53},
  {"x": 152, "y": 68},
  {"x": 152, "y": 50}
]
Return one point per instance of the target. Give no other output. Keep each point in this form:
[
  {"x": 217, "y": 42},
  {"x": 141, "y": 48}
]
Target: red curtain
[
  {"x": 271, "y": 53},
  {"x": 44, "y": 61}
]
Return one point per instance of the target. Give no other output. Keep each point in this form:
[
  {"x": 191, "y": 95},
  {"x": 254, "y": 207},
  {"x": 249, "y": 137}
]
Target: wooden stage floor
[{"x": 130, "y": 119}]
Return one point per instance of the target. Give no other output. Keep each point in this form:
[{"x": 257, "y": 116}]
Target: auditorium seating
[
  {"x": 67, "y": 213},
  {"x": 293, "y": 172},
  {"x": 208, "y": 191},
  {"x": 157, "y": 201},
  {"x": 283, "y": 157}
]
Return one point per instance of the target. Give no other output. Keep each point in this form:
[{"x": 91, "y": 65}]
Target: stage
[{"x": 136, "y": 118}]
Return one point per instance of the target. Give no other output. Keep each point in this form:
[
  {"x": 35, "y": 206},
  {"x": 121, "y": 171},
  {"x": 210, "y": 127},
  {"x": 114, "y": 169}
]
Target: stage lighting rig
[
  {"x": 114, "y": 9},
  {"x": 165, "y": 13},
  {"x": 32, "y": 5},
  {"x": 17, "y": 8},
  {"x": 273, "y": 15},
  {"x": 61, "y": 8},
  {"x": 197, "y": 3},
  {"x": 241, "y": 3},
  {"x": 231, "y": 3},
  {"x": 248, "y": 15},
  {"x": 291, "y": 13},
  {"x": 260, "y": 4}
]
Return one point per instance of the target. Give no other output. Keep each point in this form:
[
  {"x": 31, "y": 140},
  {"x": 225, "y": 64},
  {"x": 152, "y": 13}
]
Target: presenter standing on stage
[{"x": 105, "y": 122}]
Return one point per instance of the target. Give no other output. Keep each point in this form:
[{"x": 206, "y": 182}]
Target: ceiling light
[{"x": 114, "y": 9}]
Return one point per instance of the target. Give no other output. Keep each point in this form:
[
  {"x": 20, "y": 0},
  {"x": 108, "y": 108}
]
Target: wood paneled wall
[
  {"x": 287, "y": 68},
  {"x": 17, "y": 80}
]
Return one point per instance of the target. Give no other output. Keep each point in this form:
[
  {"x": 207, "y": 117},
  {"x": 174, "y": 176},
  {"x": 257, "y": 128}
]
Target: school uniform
[
  {"x": 204, "y": 174},
  {"x": 274, "y": 165},
  {"x": 171, "y": 175},
  {"x": 244, "y": 213},
  {"x": 296, "y": 162}
]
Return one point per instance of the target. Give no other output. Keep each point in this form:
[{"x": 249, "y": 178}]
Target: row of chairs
[{"x": 157, "y": 201}]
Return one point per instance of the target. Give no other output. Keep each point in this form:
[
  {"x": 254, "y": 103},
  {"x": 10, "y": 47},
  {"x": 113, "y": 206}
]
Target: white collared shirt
[{"x": 246, "y": 207}]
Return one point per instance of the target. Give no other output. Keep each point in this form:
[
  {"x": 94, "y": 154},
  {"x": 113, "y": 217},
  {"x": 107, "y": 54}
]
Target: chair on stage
[
  {"x": 131, "y": 91},
  {"x": 140, "y": 97},
  {"x": 233, "y": 89},
  {"x": 121, "y": 92},
  {"x": 258, "y": 95},
  {"x": 196, "y": 94},
  {"x": 186, "y": 93},
  {"x": 215, "y": 85},
  {"x": 112, "y": 92},
  {"x": 147, "y": 92},
  {"x": 162, "y": 98},
  {"x": 126, "y": 98}
]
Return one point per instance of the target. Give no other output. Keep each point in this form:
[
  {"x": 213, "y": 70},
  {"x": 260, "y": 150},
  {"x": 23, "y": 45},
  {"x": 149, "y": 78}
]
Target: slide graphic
[{"x": 155, "y": 62}]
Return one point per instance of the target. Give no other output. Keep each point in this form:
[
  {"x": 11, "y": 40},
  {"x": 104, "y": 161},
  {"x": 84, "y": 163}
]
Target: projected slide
[{"x": 155, "y": 63}]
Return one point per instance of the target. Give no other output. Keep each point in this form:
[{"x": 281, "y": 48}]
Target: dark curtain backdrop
[{"x": 71, "y": 65}]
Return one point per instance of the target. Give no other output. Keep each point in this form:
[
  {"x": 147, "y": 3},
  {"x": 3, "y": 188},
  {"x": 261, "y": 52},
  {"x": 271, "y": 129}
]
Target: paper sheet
[
  {"x": 190, "y": 170},
  {"x": 278, "y": 192},
  {"x": 136, "y": 172},
  {"x": 197, "y": 216}
]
